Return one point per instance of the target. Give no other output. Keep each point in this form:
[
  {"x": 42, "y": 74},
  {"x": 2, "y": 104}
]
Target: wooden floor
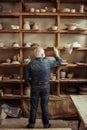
[{"x": 15, "y": 124}]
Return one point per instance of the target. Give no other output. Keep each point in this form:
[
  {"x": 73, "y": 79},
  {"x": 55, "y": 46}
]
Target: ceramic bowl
[
  {"x": 37, "y": 11},
  {"x": 15, "y": 62},
  {"x": 15, "y": 45},
  {"x": 70, "y": 75},
  {"x": 42, "y": 10},
  {"x": 65, "y": 10},
  {"x": 54, "y": 28},
  {"x": 8, "y": 60},
  {"x": 72, "y": 26},
  {"x": 76, "y": 45}
]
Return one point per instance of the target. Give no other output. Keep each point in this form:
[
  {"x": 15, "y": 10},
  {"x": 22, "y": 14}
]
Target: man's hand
[{"x": 56, "y": 52}]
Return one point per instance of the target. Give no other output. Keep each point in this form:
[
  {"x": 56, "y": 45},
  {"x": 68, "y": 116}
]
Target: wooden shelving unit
[{"x": 21, "y": 15}]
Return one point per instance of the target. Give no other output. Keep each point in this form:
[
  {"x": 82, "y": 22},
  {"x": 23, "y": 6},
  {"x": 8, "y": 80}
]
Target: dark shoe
[
  {"x": 30, "y": 126},
  {"x": 47, "y": 125}
]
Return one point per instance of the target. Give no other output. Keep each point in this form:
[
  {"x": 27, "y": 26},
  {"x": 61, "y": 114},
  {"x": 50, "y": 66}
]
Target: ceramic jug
[
  {"x": 35, "y": 26},
  {"x": 63, "y": 74},
  {"x": 26, "y": 25}
]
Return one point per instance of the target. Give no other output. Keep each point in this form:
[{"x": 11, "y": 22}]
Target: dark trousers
[{"x": 39, "y": 92}]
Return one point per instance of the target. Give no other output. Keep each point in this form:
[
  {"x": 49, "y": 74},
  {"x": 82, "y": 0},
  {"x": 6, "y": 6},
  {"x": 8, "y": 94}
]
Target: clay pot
[
  {"x": 63, "y": 74},
  {"x": 26, "y": 26},
  {"x": 70, "y": 75}
]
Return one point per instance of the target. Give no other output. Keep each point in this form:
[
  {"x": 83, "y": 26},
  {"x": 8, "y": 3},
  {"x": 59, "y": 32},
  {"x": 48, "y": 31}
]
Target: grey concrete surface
[{"x": 22, "y": 122}]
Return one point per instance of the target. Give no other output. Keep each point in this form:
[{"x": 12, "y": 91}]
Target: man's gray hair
[{"x": 39, "y": 52}]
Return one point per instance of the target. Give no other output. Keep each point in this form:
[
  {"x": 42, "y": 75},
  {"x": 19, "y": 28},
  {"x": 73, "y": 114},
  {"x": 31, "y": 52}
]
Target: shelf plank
[
  {"x": 9, "y": 14},
  {"x": 10, "y": 48},
  {"x": 5, "y": 96},
  {"x": 7, "y": 1},
  {"x": 68, "y": 65},
  {"x": 82, "y": 49},
  {"x": 74, "y": 1},
  {"x": 54, "y": 81},
  {"x": 73, "y": 80},
  {"x": 9, "y": 65},
  {"x": 47, "y": 14},
  {"x": 10, "y": 31},
  {"x": 11, "y": 81},
  {"x": 39, "y": 31},
  {"x": 73, "y": 32},
  {"x": 74, "y": 65},
  {"x": 77, "y": 14},
  {"x": 24, "y": 64},
  {"x": 78, "y": 49}
]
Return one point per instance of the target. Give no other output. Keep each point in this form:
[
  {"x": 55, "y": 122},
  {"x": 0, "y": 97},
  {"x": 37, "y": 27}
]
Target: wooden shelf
[
  {"x": 9, "y": 14},
  {"x": 10, "y": 96},
  {"x": 9, "y": 1},
  {"x": 70, "y": 65},
  {"x": 10, "y": 48},
  {"x": 39, "y": 31},
  {"x": 10, "y": 65},
  {"x": 11, "y": 81},
  {"x": 76, "y": 49},
  {"x": 74, "y": 65},
  {"x": 35, "y": 15},
  {"x": 24, "y": 96},
  {"x": 73, "y": 80},
  {"x": 54, "y": 81},
  {"x": 73, "y": 32},
  {"x": 74, "y": 1},
  {"x": 77, "y": 14},
  {"x": 21, "y": 16},
  {"x": 9, "y": 31}
]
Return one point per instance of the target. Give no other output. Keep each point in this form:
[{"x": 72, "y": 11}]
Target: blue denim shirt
[{"x": 39, "y": 70}]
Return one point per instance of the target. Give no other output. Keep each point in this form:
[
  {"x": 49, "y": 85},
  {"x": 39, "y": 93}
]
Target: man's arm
[
  {"x": 58, "y": 60},
  {"x": 56, "y": 52}
]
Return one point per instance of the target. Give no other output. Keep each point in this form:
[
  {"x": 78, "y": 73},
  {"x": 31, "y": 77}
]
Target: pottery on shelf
[
  {"x": 26, "y": 25},
  {"x": 35, "y": 26},
  {"x": 63, "y": 74},
  {"x": 70, "y": 75},
  {"x": 1, "y": 44},
  {"x": 15, "y": 44}
]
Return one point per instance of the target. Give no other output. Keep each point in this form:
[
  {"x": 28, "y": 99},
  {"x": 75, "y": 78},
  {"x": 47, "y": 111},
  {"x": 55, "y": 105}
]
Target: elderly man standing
[{"x": 38, "y": 76}]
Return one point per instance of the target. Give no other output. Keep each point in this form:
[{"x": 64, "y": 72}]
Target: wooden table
[{"x": 80, "y": 102}]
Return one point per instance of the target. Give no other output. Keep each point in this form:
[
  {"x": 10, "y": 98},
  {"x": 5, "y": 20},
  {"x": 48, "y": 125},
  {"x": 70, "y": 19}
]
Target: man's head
[{"x": 39, "y": 52}]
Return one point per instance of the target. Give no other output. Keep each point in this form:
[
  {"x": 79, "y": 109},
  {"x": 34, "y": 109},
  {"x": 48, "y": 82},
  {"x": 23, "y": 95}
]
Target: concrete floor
[{"x": 22, "y": 122}]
